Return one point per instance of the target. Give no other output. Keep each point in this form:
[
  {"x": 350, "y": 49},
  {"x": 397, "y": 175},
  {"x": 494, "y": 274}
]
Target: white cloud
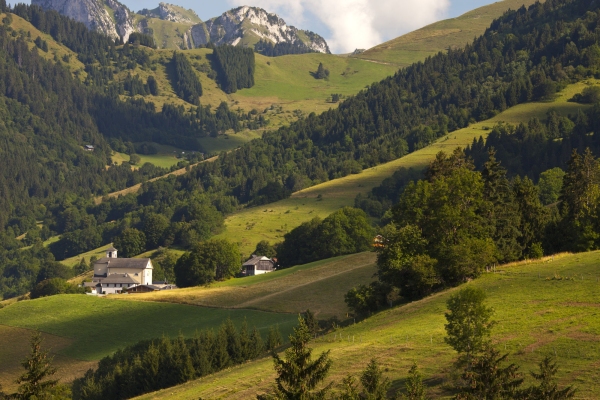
[{"x": 357, "y": 23}]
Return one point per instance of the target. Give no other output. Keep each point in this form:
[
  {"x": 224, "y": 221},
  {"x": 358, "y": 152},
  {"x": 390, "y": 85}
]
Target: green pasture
[
  {"x": 440, "y": 36},
  {"x": 546, "y": 307},
  {"x": 319, "y": 286},
  {"x": 99, "y": 326},
  {"x": 272, "y": 221}
]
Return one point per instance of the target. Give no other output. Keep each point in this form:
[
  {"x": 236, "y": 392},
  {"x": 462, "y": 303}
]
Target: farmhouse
[
  {"x": 258, "y": 265},
  {"x": 113, "y": 274}
]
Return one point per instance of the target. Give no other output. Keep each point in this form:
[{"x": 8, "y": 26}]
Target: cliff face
[
  {"x": 243, "y": 26},
  {"x": 107, "y": 16},
  {"x": 247, "y": 25}
]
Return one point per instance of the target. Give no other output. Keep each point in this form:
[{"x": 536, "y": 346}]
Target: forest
[
  {"x": 235, "y": 67},
  {"x": 525, "y": 55}
]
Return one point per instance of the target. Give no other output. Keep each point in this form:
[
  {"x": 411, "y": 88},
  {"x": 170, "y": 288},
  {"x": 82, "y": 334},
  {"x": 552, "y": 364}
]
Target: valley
[{"x": 375, "y": 188}]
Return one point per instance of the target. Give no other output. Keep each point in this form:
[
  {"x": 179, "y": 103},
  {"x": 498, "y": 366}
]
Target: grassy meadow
[
  {"x": 319, "y": 286},
  {"x": 440, "y": 36},
  {"x": 270, "y": 222},
  {"x": 543, "y": 307},
  {"x": 82, "y": 329}
]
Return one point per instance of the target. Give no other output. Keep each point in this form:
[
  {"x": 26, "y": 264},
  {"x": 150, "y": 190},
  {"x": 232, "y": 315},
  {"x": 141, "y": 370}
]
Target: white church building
[{"x": 113, "y": 274}]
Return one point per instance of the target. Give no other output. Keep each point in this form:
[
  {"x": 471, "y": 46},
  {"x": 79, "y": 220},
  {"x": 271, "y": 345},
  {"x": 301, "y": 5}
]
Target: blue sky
[{"x": 345, "y": 24}]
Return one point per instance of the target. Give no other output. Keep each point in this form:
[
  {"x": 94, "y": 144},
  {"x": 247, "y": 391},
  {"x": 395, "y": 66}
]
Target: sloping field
[
  {"x": 440, "y": 36},
  {"x": 545, "y": 307},
  {"x": 318, "y": 286},
  {"x": 82, "y": 329},
  {"x": 270, "y": 222}
]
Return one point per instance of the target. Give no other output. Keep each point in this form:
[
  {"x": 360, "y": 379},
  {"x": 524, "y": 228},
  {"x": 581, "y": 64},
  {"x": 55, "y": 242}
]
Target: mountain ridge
[{"x": 173, "y": 26}]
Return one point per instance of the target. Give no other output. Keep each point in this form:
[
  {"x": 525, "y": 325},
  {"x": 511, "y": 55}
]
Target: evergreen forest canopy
[{"x": 525, "y": 55}]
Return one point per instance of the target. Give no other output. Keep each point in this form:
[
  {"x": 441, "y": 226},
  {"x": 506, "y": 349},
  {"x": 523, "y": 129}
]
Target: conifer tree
[
  {"x": 273, "y": 338},
  {"x": 298, "y": 375},
  {"x": 257, "y": 345},
  {"x": 485, "y": 377},
  {"x": 374, "y": 383},
  {"x": 38, "y": 367},
  {"x": 349, "y": 389},
  {"x": 414, "y": 384},
  {"x": 311, "y": 322},
  {"x": 548, "y": 388}
]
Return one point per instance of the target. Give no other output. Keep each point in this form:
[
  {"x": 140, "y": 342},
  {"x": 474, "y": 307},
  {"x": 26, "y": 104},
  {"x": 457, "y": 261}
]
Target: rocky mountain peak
[
  {"x": 95, "y": 14},
  {"x": 173, "y": 13}
]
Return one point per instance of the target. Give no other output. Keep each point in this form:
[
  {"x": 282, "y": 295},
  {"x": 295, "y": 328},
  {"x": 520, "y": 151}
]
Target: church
[{"x": 113, "y": 275}]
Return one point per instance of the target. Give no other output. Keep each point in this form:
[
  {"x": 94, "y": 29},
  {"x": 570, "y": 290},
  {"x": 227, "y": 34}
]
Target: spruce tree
[
  {"x": 349, "y": 389},
  {"x": 273, "y": 338},
  {"x": 414, "y": 384},
  {"x": 548, "y": 388},
  {"x": 374, "y": 383},
  {"x": 256, "y": 344},
  {"x": 38, "y": 367},
  {"x": 311, "y": 322},
  {"x": 486, "y": 378},
  {"x": 298, "y": 375}
]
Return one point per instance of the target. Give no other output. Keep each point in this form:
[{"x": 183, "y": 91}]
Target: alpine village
[{"x": 225, "y": 209}]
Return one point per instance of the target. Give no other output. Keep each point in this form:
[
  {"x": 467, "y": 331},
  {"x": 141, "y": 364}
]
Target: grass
[
  {"x": 228, "y": 141},
  {"x": 440, "y": 36},
  {"x": 90, "y": 319},
  {"x": 272, "y": 221},
  {"x": 319, "y": 286},
  {"x": 536, "y": 316}
]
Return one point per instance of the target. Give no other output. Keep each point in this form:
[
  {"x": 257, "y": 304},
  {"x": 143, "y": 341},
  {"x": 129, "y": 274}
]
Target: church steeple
[{"x": 111, "y": 252}]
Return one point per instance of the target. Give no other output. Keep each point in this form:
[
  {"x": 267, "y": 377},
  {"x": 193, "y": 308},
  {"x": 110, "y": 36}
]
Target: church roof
[
  {"x": 132, "y": 263},
  {"x": 119, "y": 278}
]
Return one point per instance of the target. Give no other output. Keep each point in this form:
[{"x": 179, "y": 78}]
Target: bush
[{"x": 51, "y": 287}]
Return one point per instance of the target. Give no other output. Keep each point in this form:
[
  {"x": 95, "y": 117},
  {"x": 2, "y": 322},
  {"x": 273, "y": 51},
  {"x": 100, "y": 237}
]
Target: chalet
[
  {"x": 113, "y": 274},
  {"x": 88, "y": 147},
  {"x": 155, "y": 287},
  {"x": 258, "y": 265}
]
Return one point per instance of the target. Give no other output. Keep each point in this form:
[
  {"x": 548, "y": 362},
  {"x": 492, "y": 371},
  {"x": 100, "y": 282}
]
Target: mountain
[
  {"x": 107, "y": 16},
  {"x": 173, "y": 13},
  {"x": 175, "y": 27},
  {"x": 248, "y": 25}
]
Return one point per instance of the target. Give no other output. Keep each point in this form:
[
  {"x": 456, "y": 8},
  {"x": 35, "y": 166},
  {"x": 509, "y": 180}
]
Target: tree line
[
  {"x": 267, "y": 48},
  {"x": 185, "y": 82},
  {"x": 452, "y": 225},
  {"x": 152, "y": 365}
]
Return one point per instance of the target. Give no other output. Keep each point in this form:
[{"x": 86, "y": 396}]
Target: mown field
[
  {"x": 545, "y": 307},
  {"x": 319, "y": 286},
  {"x": 82, "y": 329},
  {"x": 440, "y": 36},
  {"x": 270, "y": 222}
]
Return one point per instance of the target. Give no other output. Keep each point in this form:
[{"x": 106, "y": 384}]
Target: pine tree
[
  {"x": 485, "y": 377},
  {"x": 414, "y": 384},
  {"x": 374, "y": 383},
  {"x": 548, "y": 388},
  {"x": 503, "y": 213},
  {"x": 273, "y": 338},
  {"x": 38, "y": 367},
  {"x": 311, "y": 322},
  {"x": 297, "y": 374},
  {"x": 349, "y": 389},
  {"x": 257, "y": 345}
]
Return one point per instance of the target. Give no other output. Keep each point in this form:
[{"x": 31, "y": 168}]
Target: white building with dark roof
[
  {"x": 113, "y": 274},
  {"x": 257, "y": 265}
]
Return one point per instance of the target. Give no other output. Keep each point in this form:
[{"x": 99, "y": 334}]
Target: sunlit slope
[
  {"x": 272, "y": 221},
  {"x": 440, "y": 36},
  {"x": 82, "y": 329},
  {"x": 538, "y": 311},
  {"x": 319, "y": 286}
]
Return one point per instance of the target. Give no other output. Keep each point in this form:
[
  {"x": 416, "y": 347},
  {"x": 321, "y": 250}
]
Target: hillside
[
  {"x": 542, "y": 307},
  {"x": 272, "y": 221},
  {"x": 83, "y": 329},
  {"x": 440, "y": 36}
]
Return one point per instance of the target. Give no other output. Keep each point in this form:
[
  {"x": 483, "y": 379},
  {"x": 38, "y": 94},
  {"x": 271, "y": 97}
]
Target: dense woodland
[
  {"x": 235, "y": 67},
  {"x": 269, "y": 49},
  {"x": 185, "y": 82},
  {"x": 168, "y": 362}
]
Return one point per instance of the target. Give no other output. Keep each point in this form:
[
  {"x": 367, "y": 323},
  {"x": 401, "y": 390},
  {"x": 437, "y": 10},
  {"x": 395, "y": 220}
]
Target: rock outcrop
[
  {"x": 107, "y": 16},
  {"x": 247, "y": 25}
]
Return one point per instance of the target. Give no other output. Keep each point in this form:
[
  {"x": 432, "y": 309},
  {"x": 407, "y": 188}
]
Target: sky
[{"x": 345, "y": 24}]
